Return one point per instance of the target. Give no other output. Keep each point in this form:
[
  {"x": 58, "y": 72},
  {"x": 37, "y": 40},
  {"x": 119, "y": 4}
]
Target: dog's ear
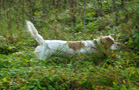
[{"x": 107, "y": 42}]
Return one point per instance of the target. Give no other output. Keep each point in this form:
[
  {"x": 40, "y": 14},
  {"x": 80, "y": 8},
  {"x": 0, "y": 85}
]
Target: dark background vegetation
[{"x": 69, "y": 20}]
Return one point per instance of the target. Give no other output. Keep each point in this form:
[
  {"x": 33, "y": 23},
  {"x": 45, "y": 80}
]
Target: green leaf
[{"x": 5, "y": 79}]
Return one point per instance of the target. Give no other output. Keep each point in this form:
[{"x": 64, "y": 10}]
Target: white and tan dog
[{"x": 48, "y": 48}]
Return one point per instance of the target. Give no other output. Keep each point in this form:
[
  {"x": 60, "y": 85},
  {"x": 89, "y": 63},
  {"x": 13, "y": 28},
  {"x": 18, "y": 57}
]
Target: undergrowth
[{"x": 117, "y": 70}]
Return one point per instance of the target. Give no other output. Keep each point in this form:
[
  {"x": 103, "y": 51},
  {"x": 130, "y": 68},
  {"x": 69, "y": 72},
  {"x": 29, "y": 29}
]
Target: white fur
[{"x": 48, "y": 48}]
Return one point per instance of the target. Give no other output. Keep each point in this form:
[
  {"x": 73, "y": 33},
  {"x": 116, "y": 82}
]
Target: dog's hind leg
[{"x": 42, "y": 52}]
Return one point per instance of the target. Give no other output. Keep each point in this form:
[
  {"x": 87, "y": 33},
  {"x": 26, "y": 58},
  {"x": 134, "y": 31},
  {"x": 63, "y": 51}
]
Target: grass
[{"x": 20, "y": 70}]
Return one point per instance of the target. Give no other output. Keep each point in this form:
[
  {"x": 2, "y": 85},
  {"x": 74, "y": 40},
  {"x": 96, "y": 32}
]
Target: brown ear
[{"x": 107, "y": 42}]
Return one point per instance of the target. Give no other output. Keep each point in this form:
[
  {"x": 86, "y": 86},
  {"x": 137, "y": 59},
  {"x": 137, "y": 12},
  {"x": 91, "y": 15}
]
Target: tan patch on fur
[{"x": 75, "y": 45}]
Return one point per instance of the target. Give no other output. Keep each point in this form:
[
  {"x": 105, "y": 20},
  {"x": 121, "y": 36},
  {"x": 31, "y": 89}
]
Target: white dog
[{"x": 48, "y": 48}]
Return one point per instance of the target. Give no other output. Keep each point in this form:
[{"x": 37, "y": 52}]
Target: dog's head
[{"x": 109, "y": 43}]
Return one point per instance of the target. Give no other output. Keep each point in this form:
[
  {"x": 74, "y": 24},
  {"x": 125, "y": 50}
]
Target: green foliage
[
  {"x": 115, "y": 70},
  {"x": 6, "y": 49},
  {"x": 133, "y": 41}
]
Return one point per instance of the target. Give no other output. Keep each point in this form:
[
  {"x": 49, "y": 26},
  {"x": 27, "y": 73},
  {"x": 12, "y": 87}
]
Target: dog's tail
[{"x": 35, "y": 33}]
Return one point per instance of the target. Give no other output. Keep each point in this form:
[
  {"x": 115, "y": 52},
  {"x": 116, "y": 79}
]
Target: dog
[{"x": 48, "y": 48}]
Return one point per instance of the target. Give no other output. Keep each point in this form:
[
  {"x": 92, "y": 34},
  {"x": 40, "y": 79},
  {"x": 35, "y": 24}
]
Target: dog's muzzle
[{"x": 115, "y": 46}]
